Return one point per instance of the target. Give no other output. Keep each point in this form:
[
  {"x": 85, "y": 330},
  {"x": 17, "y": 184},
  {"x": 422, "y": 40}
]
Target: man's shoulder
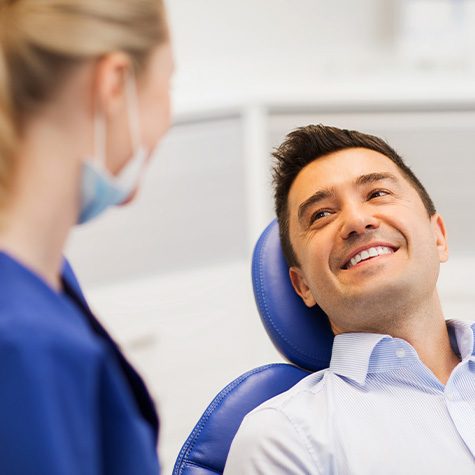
[
  {"x": 310, "y": 388},
  {"x": 279, "y": 436}
]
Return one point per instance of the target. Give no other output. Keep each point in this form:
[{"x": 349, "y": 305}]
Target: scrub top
[{"x": 70, "y": 403}]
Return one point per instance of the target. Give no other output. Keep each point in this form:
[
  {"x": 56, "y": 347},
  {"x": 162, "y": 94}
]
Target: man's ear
[
  {"x": 440, "y": 234},
  {"x": 299, "y": 283}
]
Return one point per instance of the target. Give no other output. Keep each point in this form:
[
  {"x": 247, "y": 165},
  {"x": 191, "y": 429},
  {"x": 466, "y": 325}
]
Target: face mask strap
[
  {"x": 100, "y": 140},
  {"x": 133, "y": 111}
]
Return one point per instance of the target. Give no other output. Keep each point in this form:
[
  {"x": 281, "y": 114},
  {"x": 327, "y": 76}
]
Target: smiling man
[{"x": 363, "y": 241}]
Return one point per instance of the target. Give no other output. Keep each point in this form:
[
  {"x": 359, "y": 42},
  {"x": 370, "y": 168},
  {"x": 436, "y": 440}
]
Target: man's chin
[{"x": 378, "y": 298}]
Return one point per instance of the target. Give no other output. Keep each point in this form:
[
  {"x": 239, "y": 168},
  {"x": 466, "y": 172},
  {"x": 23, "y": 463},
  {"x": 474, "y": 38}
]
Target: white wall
[
  {"x": 224, "y": 47},
  {"x": 221, "y": 44}
]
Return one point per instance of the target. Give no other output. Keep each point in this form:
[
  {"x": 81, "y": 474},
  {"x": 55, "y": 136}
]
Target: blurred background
[{"x": 170, "y": 274}]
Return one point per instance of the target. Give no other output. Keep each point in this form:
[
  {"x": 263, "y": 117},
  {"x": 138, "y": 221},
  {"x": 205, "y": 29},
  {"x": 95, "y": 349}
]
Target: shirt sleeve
[
  {"x": 268, "y": 443},
  {"x": 48, "y": 420}
]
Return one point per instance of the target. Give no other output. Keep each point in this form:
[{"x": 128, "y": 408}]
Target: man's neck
[
  {"x": 425, "y": 329},
  {"x": 432, "y": 343}
]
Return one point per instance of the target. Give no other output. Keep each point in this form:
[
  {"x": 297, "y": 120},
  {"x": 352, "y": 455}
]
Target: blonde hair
[{"x": 41, "y": 40}]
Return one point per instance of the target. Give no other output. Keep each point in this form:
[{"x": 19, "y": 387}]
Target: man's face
[{"x": 366, "y": 245}]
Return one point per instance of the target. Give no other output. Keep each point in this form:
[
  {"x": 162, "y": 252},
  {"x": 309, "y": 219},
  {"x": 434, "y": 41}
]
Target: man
[{"x": 363, "y": 239}]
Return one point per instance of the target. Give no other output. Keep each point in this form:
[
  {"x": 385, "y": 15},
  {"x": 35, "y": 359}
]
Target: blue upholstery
[
  {"x": 302, "y": 335},
  {"x": 207, "y": 447}
]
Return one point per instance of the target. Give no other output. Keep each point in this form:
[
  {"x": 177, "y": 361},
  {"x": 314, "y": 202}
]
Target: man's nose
[{"x": 357, "y": 220}]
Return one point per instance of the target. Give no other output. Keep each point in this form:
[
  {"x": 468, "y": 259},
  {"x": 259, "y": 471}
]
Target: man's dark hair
[{"x": 306, "y": 144}]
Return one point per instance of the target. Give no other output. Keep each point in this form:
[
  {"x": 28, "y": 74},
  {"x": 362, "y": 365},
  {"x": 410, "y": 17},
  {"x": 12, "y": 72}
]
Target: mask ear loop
[
  {"x": 133, "y": 107},
  {"x": 100, "y": 140},
  {"x": 133, "y": 120}
]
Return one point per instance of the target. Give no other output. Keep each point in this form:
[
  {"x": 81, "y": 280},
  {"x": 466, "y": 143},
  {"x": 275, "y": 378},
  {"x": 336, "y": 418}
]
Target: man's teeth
[{"x": 368, "y": 253}]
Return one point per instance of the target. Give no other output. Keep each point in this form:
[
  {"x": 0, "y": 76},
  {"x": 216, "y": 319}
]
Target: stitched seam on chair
[
  {"x": 263, "y": 299},
  {"x": 191, "y": 441},
  {"x": 206, "y": 467}
]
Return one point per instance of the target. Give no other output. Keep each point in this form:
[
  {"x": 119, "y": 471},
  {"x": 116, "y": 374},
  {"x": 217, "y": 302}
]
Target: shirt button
[
  {"x": 400, "y": 352},
  {"x": 451, "y": 396}
]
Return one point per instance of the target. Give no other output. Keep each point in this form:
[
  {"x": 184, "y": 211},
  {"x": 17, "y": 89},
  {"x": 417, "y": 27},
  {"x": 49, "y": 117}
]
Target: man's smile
[{"x": 367, "y": 253}]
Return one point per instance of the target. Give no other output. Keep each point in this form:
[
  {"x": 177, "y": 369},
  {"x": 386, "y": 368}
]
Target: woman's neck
[{"x": 44, "y": 202}]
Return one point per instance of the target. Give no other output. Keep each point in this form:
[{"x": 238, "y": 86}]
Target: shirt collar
[
  {"x": 462, "y": 337},
  {"x": 351, "y": 354},
  {"x": 354, "y": 355}
]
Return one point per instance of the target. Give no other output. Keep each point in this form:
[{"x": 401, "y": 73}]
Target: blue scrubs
[{"x": 70, "y": 403}]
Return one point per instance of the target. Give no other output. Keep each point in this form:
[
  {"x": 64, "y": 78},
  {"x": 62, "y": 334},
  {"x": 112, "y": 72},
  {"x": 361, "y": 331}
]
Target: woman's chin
[{"x": 130, "y": 198}]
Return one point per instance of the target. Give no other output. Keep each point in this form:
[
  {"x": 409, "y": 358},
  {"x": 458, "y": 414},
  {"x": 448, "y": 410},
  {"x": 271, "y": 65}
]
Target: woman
[{"x": 84, "y": 99}]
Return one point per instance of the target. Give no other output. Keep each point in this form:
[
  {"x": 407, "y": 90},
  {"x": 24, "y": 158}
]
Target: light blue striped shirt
[{"x": 377, "y": 410}]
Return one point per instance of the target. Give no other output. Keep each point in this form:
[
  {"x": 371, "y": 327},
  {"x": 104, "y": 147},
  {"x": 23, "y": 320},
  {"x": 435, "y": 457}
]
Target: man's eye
[
  {"x": 319, "y": 215},
  {"x": 377, "y": 194}
]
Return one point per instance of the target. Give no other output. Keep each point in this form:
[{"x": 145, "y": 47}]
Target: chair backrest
[
  {"x": 302, "y": 335},
  {"x": 206, "y": 449}
]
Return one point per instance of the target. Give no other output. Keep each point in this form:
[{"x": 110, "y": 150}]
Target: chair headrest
[{"x": 301, "y": 334}]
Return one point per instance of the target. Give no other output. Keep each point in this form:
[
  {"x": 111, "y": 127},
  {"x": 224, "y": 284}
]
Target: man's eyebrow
[
  {"x": 327, "y": 193},
  {"x": 318, "y": 196},
  {"x": 374, "y": 177}
]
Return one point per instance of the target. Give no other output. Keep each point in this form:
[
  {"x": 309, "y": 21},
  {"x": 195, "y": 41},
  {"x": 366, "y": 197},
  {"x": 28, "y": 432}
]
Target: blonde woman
[{"x": 84, "y": 99}]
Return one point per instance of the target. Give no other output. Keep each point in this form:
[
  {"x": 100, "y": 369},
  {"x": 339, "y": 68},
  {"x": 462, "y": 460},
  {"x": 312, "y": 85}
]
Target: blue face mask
[{"x": 99, "y": 189}]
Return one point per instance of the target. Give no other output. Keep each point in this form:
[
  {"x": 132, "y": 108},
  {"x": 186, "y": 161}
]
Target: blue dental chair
[{"x": 302, "y": 335}]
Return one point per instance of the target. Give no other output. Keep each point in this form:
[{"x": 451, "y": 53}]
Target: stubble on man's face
[{"x": 367, "y": 247}]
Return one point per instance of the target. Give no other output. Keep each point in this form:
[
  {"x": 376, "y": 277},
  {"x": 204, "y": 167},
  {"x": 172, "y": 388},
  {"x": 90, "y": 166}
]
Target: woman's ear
[
  {"x": 299, "y": 283},
  {"x": 110, "y": 79}
]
